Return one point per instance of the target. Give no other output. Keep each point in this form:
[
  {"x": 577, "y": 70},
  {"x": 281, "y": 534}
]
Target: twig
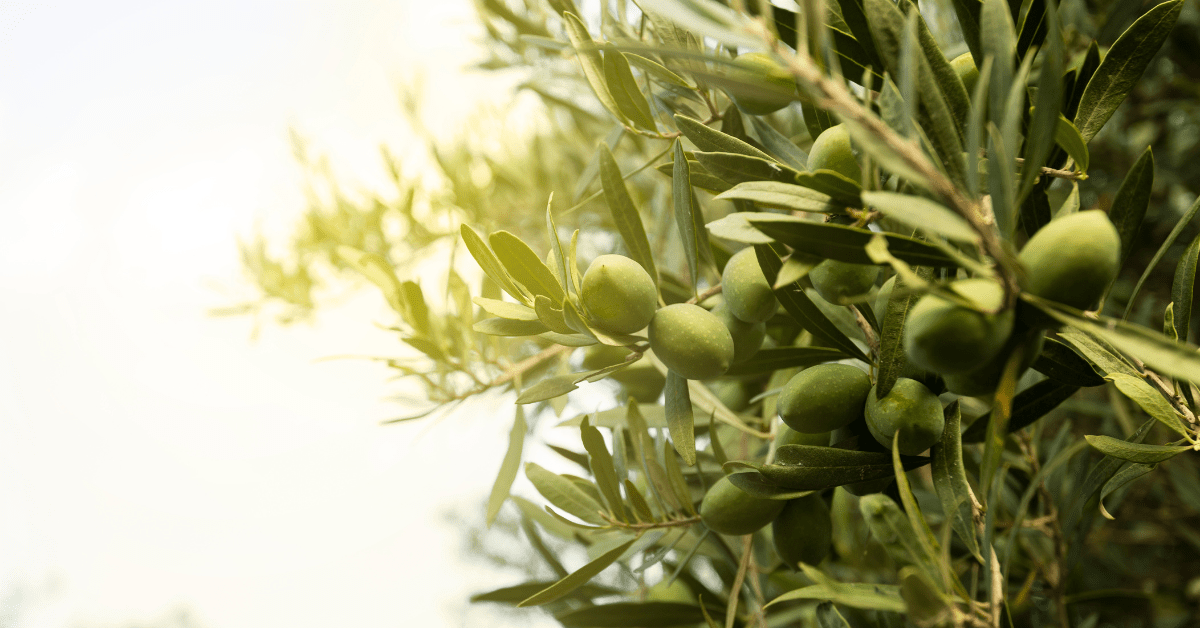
[
  {"x": 656, "y": 525},
  {"x": 735, "y": 590}
]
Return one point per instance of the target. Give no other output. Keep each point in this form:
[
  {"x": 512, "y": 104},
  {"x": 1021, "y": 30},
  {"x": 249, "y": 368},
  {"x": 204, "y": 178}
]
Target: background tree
[{"x": 845, "y": 114}]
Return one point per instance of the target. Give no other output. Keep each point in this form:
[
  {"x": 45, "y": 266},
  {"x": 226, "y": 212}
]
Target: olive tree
[{"x": 875, "y": 357}]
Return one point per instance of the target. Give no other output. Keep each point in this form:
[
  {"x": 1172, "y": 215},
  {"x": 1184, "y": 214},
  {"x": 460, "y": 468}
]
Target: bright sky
[{"x": 152, "y": 457}]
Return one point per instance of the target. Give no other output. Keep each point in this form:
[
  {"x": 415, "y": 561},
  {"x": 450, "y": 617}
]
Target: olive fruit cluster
[{"x": 801, "y": 528}]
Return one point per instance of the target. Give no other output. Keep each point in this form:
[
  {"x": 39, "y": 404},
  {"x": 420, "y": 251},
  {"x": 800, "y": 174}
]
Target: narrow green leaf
[
  {"x": 705, "y": 19},
  {"x": 622, "y": 614},
  {"x": 675, "y": 476},
  {"x": 841, "y": 242},
  {"x": 624, "y": 213},
  {"x": 1061, "y": 364},
  {"x": 648, "y": 415},
  {"x": 802, "y": 308},
  {"x": 624, "y": 89},
  {"x": 578, "y": 578},
  {"x": 551, "y": 316},
  {"x": 556, "y": 251},
  {"x": 923, "y": 214},
  {"x": 1069, "y": 139},
  {"x": 710, "y": 140},
  {"x": 812, "y": 468},
  {"x": 783, "y": 196},
  {"x": 1150, "y": 400},
  {"x": 968, "y": 13},
  {"x": 998, "y": 42},
  {"x": 944, "y": 76},
  {"x": 563, "y": 493},
  {"x": 601, "y": 463},
  {"x": 828, "y": 615},
  {"x": 1162, "y": 250},
  {"x": 1182, "y": 286},
  {"x": 1096, "y": 478},
  {"x": 504, "y": 309},
  {"x": 998, "y": 420},
  {"x": 1104, "y": 359},
  {"x": 680, "y": 422},
  {"x": 487, "y": 260},
  {"x": 892, "y": 361},
  {"x": 681, "y": 196},
  {"x": 780, "y": 146},
  {"x": 378, "y": 271},
  {"x": 508, "y": 468},
  {"x": 1127, "y": 474},
  {"x": 757, "y": 485},
  {"x": 735, "y": 227},
  {"x": 658, "y": 71},
  {"x": 591, "y": 63},
  {"x": 1087, "y": 69},
  {"x": 514, "y": 594},
  {"x": 880, "y": 597},
  {"x": 1135, "y": 452},
  {"x": 1129, "y": 206},
  {"x": 926, "y": 541},
  {"x": 637, "y": 501},
  {"x": 526, "y": 266},
  {"x": 890, "y": 526},
  {"x": 1043, "y": 123},
  {"x": 773, "y": 359},
  {"x": 950, "y": 480},
  {"x": 734, "y": 168},
  {"x": 509, "y": 327},
  {"x": 1124, "y": 64},
  {"x": 552, "y": 387},
  {"x": 1030, "y": 405}
]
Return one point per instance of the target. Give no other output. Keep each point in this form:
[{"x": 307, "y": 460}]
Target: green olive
[
  {"x": 789, "y": 436},
  {"x": 747, "y": 337},
  {"x": 763, "y": 85},
  {"x": 948, "y": 338},
  {"x": 803, "y": 532},
  {"x": 837, "y": 281},
  {"x": 745, "y": 288},
  {"x": 982, "y": 382},
  {"x": 832, "y": 151},
  {"x": 1073, "y": 259},
  {"x": 618, "y": 294},
  {"x": 909, "y": 409},
  {"x": 727, "y": 509},
  {"x": 690, "y": 341},
  {"x": 823, "y": 398}
]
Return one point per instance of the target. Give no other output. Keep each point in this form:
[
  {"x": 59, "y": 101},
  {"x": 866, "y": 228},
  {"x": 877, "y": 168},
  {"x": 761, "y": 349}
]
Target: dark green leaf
[
  {"x": 577, "y": 579},
  {"x": 892, "y": 361},
  {"x": 710, "y": 140},
  {"x": 1129, "y": 206},
  {"x": 773, "y": 359},
  {"x": 1087, "y": 69},
  {"x": 675, "y": 477},
  {"x": 680, "y": 422},
  {"x": 625, "y": 90},
  {"x": 856, "y": 22},
  {"x": 1134, "y": 452},
  {"x": 783, "y": 196},
  {"x": 685, "y": 208},
  {"x": 508, "y": 327},
  {"x": 779, "y": 145},
  {"x": 526, "y": 266},
  {"x": 811, "y": 468},
  {"x": 642, "y": 614},
  {"x": 700, "y": 177},
  {"x": 1162, "y": 250},
  {"x": 1043, "y": 123},
  {"x": 734, "y": 168},
  {"x": 827, "y": 614},
  {"x": 1123, "y": 66},
  {"x": 842, "y": 242},
  {"x": 1061, "y": 364},
  {"x": 968, "y": 12},
  {"x": 1030, "y": 405},
  {"x": 625, "y": 215},
  {"x": 757, "y": 485},
  {"x": 1127, "y": 474},
  {"x": 833, "y": 184},
  {"x": 508, "y": 468},
  {"x": 490, "y": 264},
  {"x": 1097, "y": 477},
  {"x": 802, "y": 308},
  {"x": 1182, "y": 286},
  {"x": 950, "y": 480}
]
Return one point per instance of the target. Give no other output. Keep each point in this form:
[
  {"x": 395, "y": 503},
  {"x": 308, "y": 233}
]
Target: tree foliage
[{"x": 880, "y": 155}]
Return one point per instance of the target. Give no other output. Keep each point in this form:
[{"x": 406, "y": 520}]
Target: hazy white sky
[{"x": 150, "y": 456}]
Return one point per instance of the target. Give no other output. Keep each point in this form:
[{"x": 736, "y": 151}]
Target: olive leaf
[
  {"x": 621, "y": 614},
  {"x": 950, "y": 480},
  {"x": 624, "y": 213},
  {"x": 680, "y": 422},
  {"x": 1125, "y": 475},
  {"x": 578, "y": 578},
  {"x": 601, "y": 464},
  {"x": 783, "y": 196},
  {"x": 591, "y": 63},
  {"x": 487, "y": 260},
  {"x": 508, "y": 468},
  {"x": 526, "y": 266},
  {"x": 773, "y": 359},
  {"x": 841, "y": 242},
  {"x": 780, "y": 146},
  {"x": 922, "y": 214},
  {"x": 710, "y": 140},
  {"x": 1134, "y": 452},
  {"x": 624, "y": 89},
  {"x": 685, "y": 212}
]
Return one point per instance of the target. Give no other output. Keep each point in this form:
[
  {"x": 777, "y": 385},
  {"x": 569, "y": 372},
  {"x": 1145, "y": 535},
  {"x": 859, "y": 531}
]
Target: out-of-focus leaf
[
  {"x": 624, "y": 89},
  {"x": 508, "y": 468},
  {"x": 592, "y": 63},
  {"x": 509, "y": 327},
  {"x": 780, "y": 146},
  {"x": 926, "y": 542},
  {"x": 710, "y": 140},
  {"x": 1123, "y": 66},
  {"x": 950, "y": 480},
  {"x": 1069, "y": 139},
  {"x": 516, "y": 593},
  {"x": 376, "y": 268},
  {"x": 1182, "y": 286},
  {"x": 563, "y": 493},
  {"x": 1134, "y": 452},
  {"x": 706, "y": 18},
  {"x": 944, "y": 76},
  {"x": 685, "y": 208},
  {"x": 783, "y": 196},
  {"x": 624, "y": 213},
  {"x": 658, "y": 70},
  {"x": 773, "y": 359},
  {"x": 828, "y": 615},
  {"x": 1096, "y": 478},
  {"x": 967, "y": 12},
  {"x": 601, "y": 463},
  {"x": 1061, "y": 364},
  {"x": 802, "y": 308},
  {"x": 1043, "y": 123},
  {"x": 578, "y": 578},
  {"x": 881, "y": 597},
  {"x": 680, "y": 422},
  {"x": 1087, "y": 69},
  {"x": 526, "y": 266},
  {"x": 922, "y": 213},
  {"x": 651, "y": 414},
  {"x": 1129, "y": 206},
  {"x": 1162, "y": 250},
  {"x": 841, "y": 242},
  {"x": 1127, "y": 474},
  {"x": 1030, "y": 405},
  {"x": 757, "y": 485},
  {"x": 552, "y": 387},
  {"x": 622, "y": 614}
]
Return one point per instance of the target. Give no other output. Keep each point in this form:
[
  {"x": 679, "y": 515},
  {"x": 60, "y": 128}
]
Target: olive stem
[{"x": 656, "y": 525}]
